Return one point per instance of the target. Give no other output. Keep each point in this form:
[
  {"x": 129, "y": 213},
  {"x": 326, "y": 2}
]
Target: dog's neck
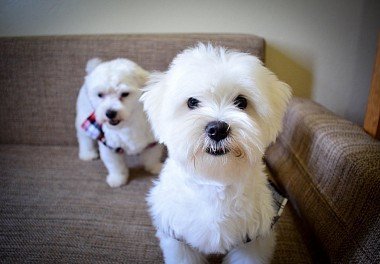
[{"x": 192, "y": 177}]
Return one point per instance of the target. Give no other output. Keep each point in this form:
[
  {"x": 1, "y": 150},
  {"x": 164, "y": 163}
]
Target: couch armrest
[{"x": 330, "y": 169}]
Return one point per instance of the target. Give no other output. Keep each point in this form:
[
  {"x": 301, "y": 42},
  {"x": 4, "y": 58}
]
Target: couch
[{"x": 55, "y": 208}]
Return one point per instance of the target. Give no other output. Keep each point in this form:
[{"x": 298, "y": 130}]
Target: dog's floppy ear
[
  {"x": 91, "y": 64},
  {"x": 275, "y": 95},
  {"x": 281, "y": 97},
  {"x": 141, "y": 76},
  {"x": 152, "y": 99}
]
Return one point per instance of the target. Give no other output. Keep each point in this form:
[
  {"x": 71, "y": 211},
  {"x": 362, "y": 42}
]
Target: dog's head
[
  {"x": 216, "y": 110},
  {"x": 113, "y": 88}
]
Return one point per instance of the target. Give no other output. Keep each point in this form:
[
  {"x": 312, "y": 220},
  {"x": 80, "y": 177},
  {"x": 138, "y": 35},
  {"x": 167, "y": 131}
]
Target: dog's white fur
[
  {"x": 133, "y": 133},
  {"x": 203, "y": 203}
]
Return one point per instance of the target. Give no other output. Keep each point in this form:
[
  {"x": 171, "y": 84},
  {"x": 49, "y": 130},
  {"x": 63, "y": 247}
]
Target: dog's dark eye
[
  {"x": 123, "y": 95},
  {"x": 240, "y": 102},
  {"x": 192, "y": 103},
  {"x": 100, "y": 95}
]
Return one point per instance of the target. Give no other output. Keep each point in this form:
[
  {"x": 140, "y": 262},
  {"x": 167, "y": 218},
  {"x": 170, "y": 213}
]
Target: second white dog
[
  {"x": 110, "y": 95},
  {"x": 218, "y": 111}
]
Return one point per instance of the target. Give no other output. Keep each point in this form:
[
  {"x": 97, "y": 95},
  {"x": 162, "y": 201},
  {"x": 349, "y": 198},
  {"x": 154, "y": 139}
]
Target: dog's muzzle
[
  {"x": 111, "y": 115},
  {"x": 217, "y": 131}
]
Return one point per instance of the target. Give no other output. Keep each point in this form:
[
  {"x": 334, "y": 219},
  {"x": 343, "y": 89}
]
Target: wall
[{"x": 324, "y": 49}]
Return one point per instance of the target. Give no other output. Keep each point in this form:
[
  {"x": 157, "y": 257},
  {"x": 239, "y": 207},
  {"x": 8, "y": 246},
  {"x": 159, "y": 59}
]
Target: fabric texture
[
  {"x": 330, "y": 169},
  {"x": 40, "y": 77},
  {"x": 58, "y": 209}
]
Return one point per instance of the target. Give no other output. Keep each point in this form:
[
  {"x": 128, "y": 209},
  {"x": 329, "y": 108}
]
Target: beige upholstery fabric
[
  {"x": 41, "y": 76},
  {"x": 58, "y": 209},
  {"x": 330, "y": 169},
  {"x": 55, "y": 208}
]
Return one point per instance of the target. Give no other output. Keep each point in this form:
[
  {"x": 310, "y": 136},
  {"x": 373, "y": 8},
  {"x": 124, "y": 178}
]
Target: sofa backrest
[{"x": 41, "y": 76}]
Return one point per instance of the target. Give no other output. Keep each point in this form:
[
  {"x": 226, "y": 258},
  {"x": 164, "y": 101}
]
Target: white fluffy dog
[
  {"x": 216, "y": 110},
  {"x": 111, "y": 91}
]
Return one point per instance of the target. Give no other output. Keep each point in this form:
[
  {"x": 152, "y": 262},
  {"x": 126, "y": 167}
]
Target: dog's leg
[
  {"x": 176, "y": 252},
  {"x": 87, "y": 147},
  {"x": 117, "y": 170},
  {"x": 256, "y": 252},
  {"x": 151, "y": 159}
]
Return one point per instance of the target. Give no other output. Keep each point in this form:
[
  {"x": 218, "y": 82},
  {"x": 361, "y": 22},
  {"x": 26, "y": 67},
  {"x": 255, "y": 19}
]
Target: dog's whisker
[{"x": 194, "y": 161}]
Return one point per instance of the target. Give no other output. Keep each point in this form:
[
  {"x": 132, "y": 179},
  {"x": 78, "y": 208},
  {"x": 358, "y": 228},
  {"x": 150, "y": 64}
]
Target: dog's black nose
[
  {"x": 217, "y": 130},
  {"x": 111, "y": 113}
]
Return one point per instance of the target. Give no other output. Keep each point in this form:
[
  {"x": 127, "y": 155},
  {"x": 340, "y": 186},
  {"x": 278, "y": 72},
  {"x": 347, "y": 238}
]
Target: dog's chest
[
  {"x": 132, "y": 141},
  {"x": 210, "y": 220}
]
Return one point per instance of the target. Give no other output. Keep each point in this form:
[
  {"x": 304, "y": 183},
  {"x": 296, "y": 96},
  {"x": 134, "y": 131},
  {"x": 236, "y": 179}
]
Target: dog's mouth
[
  {"x": 114, "y": 122},
  {"x": 217, "y": 152}
]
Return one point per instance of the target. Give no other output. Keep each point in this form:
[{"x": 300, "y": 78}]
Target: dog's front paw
[
  {"x": 116, "y": 180},
  {"x": 154, "y": 169},
  {"x": 258, "y": 251},
  {"x": 88, "y": 155}
]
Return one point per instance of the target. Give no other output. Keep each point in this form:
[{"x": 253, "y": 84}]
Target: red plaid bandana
[{"x": 94, "y": 130}]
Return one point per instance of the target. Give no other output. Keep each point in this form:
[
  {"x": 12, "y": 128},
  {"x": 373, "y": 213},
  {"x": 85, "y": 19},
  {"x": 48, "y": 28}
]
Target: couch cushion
[
  {"x": 56, "y": 208},
  {"x": 330, "y": 169},
  {"x": 41, "y": 76}
]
